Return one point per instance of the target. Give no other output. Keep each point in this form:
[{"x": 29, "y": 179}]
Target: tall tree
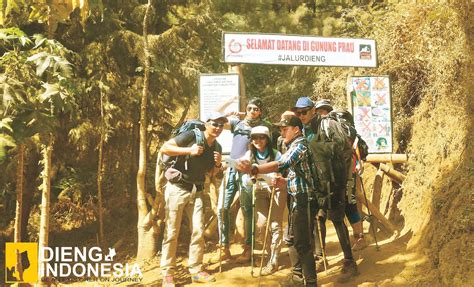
[
  {"x": 13, "y": 104},
  {"x": 56, "y": 101},
  {"x": 146, "y": 235}
]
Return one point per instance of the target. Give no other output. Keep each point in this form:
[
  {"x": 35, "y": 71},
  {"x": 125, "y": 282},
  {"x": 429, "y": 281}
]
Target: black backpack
[
  {"x": 332, "y": 158},
  {"x": 165, "y": 162},
  {"x": 347, "y": 121}
]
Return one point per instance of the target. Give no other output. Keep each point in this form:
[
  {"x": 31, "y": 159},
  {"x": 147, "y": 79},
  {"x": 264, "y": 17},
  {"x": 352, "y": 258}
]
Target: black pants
[
  {"x": 299, "y": 238},
  {"x": 337, "y": 218}
]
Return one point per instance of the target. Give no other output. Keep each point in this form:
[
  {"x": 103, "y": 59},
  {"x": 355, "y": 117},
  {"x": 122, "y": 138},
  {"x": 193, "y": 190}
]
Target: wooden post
[
  {"x": 394, "y": 175},
  {"x": 243, "y": 97},
  {"x": 393, "y": 158},
  {"x": 376, "y": 213},
  {"x": 376, "y": 193},
  {"x": 349, "y": 93}
]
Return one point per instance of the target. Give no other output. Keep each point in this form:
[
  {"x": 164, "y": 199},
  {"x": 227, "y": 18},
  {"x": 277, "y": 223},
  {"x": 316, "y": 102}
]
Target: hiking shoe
[
  {"x": 349, "y": 270},
  {"x": 320, "y": 264},
  {"x": 269, "y": 269},
  {"x": 245, "y": 256},
  {"x": 202, "y": 277},
  {"x": 224, "y": 255},
  {"x": 360, "y": 242},
  {"x": 293, "y": 281},
  {"x": 168, "y": 281}
]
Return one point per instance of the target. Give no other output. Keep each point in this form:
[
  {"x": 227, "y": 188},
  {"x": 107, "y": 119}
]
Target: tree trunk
[
  {"x": 146, "y": 237},
  {"x": 20, "y": 186},
  {"x": 32, "y": 172},
  {"x": 100, "y": 172},
  {"x": 45, "y": 199}
]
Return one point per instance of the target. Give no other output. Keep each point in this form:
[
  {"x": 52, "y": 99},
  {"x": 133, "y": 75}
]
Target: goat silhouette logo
[
  {"x": 21, "y": 262},
  {"x": 110, "y": 256}
]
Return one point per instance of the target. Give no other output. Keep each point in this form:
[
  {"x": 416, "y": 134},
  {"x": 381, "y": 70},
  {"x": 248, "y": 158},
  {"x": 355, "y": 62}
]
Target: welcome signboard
[
  {"x": 371, "y": 105},
  {"x": 281, "y": 49}
]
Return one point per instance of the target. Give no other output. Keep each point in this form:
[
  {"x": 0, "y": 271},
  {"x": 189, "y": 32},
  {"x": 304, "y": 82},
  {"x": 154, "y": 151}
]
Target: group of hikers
[{"x": 310, "y": 169}]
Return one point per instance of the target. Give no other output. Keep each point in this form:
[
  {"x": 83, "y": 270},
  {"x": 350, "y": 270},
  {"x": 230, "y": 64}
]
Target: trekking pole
[
  {"x": 252, "y": 242},
  {"x": 323, "y": 249},
  {"x": 221, "y": 224},
  {"x": 369, "y": 212},
  {"x": 266, "y": 234}
]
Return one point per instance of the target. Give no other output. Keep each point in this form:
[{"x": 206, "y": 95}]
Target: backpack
[
  {"x": 165, "y": 163},
  {"x": 332, "y": 155},
  {"x": 347, "y": 121}
]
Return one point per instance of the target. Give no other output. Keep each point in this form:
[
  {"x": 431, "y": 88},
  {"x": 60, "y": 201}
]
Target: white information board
[
  {"x": 281, "y": 49},
  {"x": 371, "y": 105},
  {"x": 214, "y": 90}
]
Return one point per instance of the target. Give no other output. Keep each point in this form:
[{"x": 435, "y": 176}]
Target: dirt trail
[{"x": 392, "y": 265}]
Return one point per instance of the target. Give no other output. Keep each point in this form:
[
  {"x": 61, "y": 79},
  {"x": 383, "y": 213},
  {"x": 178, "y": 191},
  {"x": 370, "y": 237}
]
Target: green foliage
[{"x": 6, "y": 140}]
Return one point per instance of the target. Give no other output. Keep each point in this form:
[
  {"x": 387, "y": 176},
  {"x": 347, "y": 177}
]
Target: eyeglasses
[
  {"x": 249, "y": 109},
  {"x": 302, "y": 112},
  {"x": 259, "y": 137},
  {"x": 217, "y": 125}
]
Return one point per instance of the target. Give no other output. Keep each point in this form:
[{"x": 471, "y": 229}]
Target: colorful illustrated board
[
  {"x": 215, "y": 89},
  {"x": 371, "y": 106}
]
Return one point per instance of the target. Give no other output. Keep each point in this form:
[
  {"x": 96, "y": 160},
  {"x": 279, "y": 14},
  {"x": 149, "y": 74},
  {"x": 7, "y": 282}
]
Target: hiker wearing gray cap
[
  {"x": 183, "y": 195},
  {"x": 332, "y": 154},
  {"x": 325, "y": 109},
  {"x": 323, "y": 104}
]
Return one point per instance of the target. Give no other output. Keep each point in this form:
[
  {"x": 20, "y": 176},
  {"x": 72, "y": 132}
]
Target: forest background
[{"x": 72, "y": 78}]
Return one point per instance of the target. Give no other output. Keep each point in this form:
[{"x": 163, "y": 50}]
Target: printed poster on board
[
  {"x": 371, "y": 107},
  {"x": 215, "y": 89}
]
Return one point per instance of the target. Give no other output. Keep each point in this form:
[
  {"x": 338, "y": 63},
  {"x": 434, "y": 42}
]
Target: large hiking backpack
[
  {"x": 165, "y": 162},
  {"x": 347, "y": 121},
  {"x": 332, "y": 155}
]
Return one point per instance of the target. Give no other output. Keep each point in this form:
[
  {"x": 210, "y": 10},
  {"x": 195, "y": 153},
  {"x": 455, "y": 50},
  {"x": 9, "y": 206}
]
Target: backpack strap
[
  {"x": 325, "y": 127},
  {"x": 199, "y": 137}
]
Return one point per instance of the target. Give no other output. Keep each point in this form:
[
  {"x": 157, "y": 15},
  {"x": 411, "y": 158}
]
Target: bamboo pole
[
  {"x": 394, "y": 175},
  {"x": 376, "y": 213},
  {"x": 393, "y": 158},
  {"x": 376, "y": 193}
]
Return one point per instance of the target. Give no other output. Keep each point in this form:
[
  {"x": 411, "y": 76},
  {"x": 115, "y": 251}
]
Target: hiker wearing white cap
[
  {"x": 266, "y": 191},
  {"x": 183, "y": 195}
]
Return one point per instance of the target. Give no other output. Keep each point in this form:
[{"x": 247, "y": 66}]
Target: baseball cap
[
  {"x": 213, "y": 116},
  {"x": 260, "y": 130},
  {"x": 290, "y": 121},
  {"x": 324, "y": 103},
  {"x": 304, "y": 102}
]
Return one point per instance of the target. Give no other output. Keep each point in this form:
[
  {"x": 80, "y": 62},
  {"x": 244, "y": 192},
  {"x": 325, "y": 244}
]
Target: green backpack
[{"x": 332, "y": 155}]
